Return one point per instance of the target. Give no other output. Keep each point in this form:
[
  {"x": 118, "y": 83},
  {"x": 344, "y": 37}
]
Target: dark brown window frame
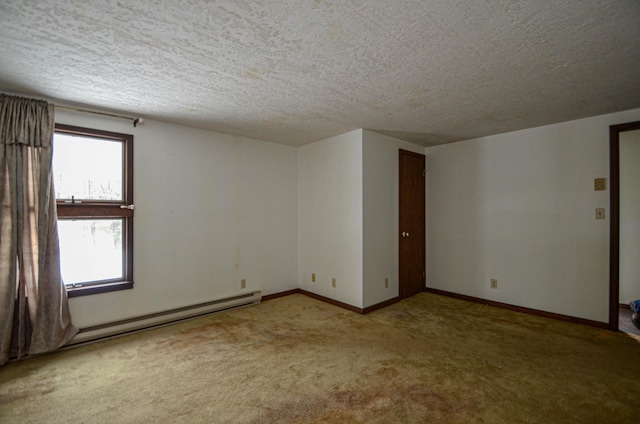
[{"x": 104, "y": 209}]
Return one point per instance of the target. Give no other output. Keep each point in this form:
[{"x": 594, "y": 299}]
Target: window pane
[
  {"x": 87, "y": 168},
  {"x": 90, "y": 249}
]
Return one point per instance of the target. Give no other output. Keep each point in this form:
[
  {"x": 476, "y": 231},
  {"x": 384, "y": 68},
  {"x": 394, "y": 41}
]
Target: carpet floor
[{"x": 427, "y": 359}]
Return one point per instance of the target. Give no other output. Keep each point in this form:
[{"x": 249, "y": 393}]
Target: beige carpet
[{"x": 428, "y": 359}]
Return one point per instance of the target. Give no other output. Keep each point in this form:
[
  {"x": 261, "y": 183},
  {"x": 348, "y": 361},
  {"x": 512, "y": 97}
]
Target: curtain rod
[{"x": 136, "y": 121}]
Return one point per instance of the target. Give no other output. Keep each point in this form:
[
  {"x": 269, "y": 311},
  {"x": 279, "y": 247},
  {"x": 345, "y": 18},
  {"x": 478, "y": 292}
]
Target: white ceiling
[{"x": 295, "y": 71}]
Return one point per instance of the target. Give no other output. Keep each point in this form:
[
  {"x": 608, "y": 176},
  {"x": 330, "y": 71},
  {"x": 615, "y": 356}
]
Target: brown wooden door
[{"x": 412, "y": 223}]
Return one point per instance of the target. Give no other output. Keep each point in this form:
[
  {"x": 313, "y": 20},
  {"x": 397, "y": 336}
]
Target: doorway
[
  {"x": 412, "y": 244},
  {"x": 616, "y": 134}
]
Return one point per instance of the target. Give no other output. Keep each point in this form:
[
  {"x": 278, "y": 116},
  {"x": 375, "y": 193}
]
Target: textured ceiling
[{"x": 295, "y": 71}]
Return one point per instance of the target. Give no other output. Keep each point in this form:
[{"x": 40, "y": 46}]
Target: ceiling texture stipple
[{"x": 296, "y": 71}]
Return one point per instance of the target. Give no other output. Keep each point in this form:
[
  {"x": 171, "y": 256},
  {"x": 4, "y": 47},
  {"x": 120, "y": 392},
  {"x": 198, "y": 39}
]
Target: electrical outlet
[
  {"x": 313, "y": 278},
  {"x": 494, "y": 283},
  {"x": 333, "y": 282},
  {"x": 386, "y": 283},
  {"x": 243, "y": 284}
]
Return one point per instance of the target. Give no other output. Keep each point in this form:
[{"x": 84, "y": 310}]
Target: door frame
[{"x": 614, "y": 206}]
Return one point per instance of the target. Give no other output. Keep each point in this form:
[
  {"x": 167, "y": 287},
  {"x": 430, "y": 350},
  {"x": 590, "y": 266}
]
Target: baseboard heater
[{"x": 144, "y": 322}]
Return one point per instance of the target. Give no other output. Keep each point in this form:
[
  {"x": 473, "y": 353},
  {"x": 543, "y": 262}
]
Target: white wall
[
  {"x": 348, "y": 194},
  {"x": 629, "y": 216},
  {"x": 380, "y": 221},
  {"x": 520, "y": 207},
  {"x": 330, "y": 217},
  {"x": 211, "y": 209}
]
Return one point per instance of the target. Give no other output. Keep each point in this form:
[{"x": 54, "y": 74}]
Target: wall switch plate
[
  {"x": 313, "y": 278},
  {"x": 599, "y": 213},
  {"x": 333, "y": 282},
  {"x": 386, "y": 282},
  {"x": 600, "y": 184},
  {"x": 243, "y": 284},
  {"x": 494, "y": 283}
]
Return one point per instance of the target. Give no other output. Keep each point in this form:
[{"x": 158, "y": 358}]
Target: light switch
[{"x": 599, "y": 213}]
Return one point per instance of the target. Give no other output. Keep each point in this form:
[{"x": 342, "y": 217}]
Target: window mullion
[{"x": 92, "y": 211}]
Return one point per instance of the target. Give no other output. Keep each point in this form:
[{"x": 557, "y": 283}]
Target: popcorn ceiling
[{"x": 294, "y": 71}]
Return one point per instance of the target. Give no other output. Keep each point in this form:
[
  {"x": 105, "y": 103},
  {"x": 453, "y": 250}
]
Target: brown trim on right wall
[
  {"x": 515, "y": 308},
  {"x": 279, "y": 294},
  {"x": 332, "y": 301},
  {"x": 614, "y": 232},
  {"x": 381, "y": 305}
]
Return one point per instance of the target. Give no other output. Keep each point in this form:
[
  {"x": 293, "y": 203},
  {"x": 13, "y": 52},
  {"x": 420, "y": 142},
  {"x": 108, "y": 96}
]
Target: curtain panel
[{"x": 34, "y": 311}]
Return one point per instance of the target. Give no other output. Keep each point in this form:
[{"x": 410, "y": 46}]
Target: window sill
[{"x": 98, "y": 288}]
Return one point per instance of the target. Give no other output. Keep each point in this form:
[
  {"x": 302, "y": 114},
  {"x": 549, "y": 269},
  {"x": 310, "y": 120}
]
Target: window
[{"x": 93, "y": 178}]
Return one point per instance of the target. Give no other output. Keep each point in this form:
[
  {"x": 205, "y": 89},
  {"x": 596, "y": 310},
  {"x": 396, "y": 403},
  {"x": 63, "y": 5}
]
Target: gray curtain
[{"x": 34, "y": 312}]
